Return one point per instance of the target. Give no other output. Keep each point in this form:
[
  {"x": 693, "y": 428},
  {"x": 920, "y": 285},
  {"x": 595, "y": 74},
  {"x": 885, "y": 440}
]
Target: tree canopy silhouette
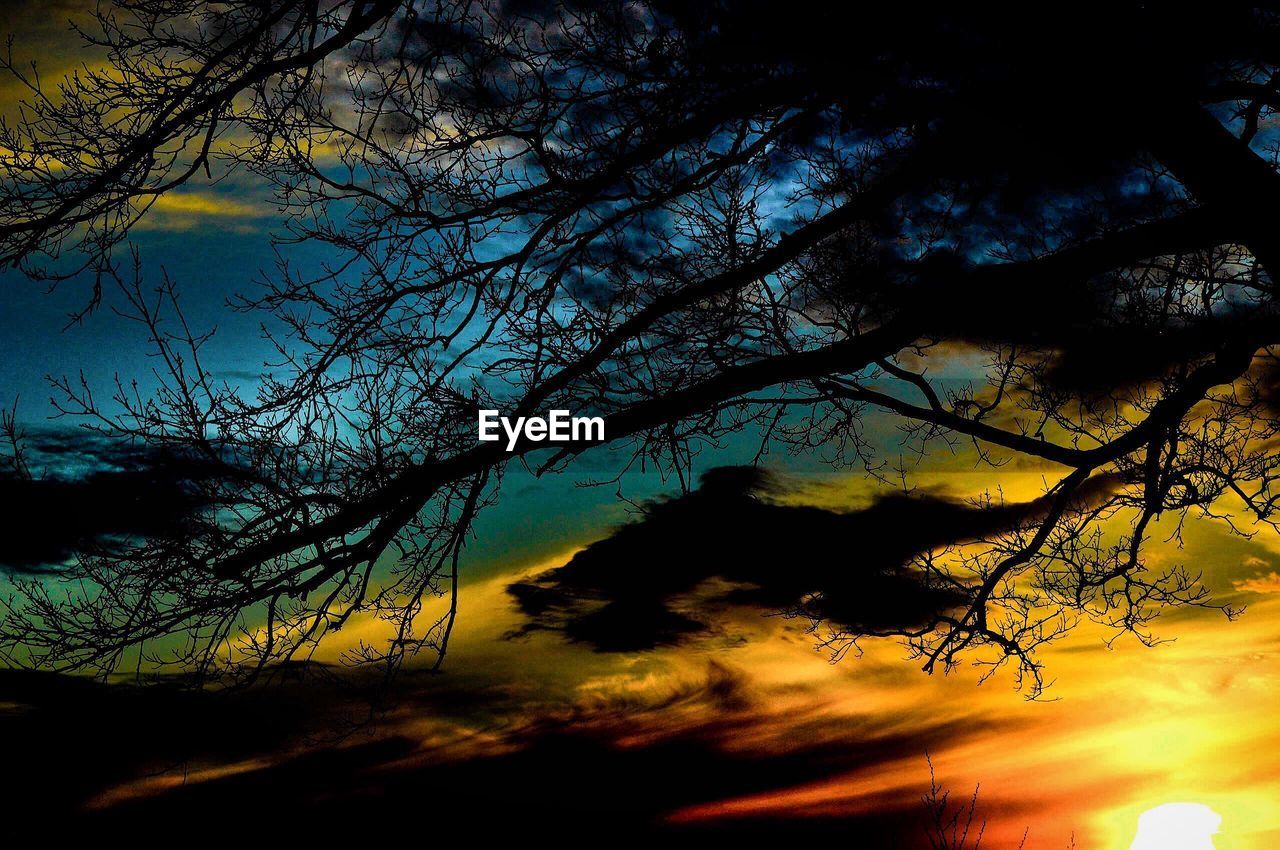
[{"x": 695, "y": 220}]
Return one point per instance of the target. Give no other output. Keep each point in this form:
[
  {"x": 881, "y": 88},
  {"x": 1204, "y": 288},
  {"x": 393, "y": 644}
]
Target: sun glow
[{"x": 1177, "y": 826}]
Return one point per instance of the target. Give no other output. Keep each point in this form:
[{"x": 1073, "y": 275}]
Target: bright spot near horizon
[{"x": 1177, "y": 826}]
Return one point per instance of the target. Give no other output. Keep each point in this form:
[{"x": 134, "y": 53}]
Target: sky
[{"x": 749, "y": 727}]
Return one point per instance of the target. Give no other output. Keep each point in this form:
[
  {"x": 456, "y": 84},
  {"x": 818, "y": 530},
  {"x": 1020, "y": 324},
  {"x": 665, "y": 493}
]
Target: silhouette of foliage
[{"x": 696, "y": 220}]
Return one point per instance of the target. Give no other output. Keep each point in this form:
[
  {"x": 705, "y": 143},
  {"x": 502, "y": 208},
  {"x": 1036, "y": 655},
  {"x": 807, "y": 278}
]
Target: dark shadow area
[
  {"x": 1099, "y": 361},
  {"x": 65, "y": 738},
  {"x": 571, "y": 778}
]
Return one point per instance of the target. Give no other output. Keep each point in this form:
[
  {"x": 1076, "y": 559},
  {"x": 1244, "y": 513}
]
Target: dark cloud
[
  {"x": 66, "y": 738},
  {"x": 1099, "y": 360},
  {"x": 557, "y": 774},
  {"x": 25, "y": 16},
  {"x": 88, "y": 493},
  {"x": 633, "y": 589}
]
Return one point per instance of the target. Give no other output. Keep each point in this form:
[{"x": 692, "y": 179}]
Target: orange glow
[{"x": 1127, "y": 729}]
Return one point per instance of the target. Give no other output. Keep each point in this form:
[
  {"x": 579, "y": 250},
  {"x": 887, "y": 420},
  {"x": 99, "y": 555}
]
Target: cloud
[
  {"x": 191, "y": 209},
  {"x": 548, "y": 738},
  {"x": 203, "y": 204},
  {"x": 580, "y": 771},
  {"x": 96, "y": 495},
  {"x": 1260, "y": 583},
  {"x": 648, "y": 584},
  {"x": 67, "y": 738}
]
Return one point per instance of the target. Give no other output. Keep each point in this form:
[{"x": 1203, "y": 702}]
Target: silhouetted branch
[{"x": 694, "y": 222}]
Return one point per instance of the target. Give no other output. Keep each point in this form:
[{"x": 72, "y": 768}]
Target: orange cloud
[{"x": 1263, "y": 583}]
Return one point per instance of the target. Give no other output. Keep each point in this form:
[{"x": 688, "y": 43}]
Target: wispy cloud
[
  {"x": 1260, "y": 582},
  {"x": 191, "y": 210}
]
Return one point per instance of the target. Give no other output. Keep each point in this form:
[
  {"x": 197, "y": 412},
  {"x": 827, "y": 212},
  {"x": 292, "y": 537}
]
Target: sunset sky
[
  {"x": 747, "y": 724},
  {"x": 1121, "y": 730}
]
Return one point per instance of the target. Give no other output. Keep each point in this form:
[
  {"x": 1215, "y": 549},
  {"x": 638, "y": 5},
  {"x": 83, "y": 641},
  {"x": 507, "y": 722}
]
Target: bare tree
[
  {"x": 694, "y": 222},
  {"x": 950, "y": 827}
]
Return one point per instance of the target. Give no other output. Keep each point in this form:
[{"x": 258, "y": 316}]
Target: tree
[{"x": 694, "y": 220}]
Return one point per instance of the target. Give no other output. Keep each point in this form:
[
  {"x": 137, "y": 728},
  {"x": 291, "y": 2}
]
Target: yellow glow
[
  {"x": 1177, "y": 826},
  {"x": 1132, "y": 726},
  {"x": 203, "y": 203},
  {"x": 190, "y": 210}
]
